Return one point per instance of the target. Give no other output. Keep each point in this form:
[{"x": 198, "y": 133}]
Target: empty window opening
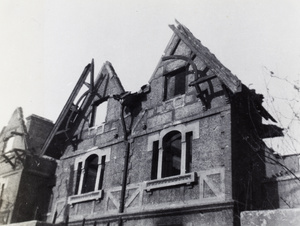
[
  {"x": 175, "y": 83},
  {"x": 189, "y": 148},
  {"x": 9, "y": 144},
  {"x": 100, "y": 114},
  {"x": 154, "y": 160},
  {"x": 171, "y": 154},
  {"x": 91, "y": 169}
]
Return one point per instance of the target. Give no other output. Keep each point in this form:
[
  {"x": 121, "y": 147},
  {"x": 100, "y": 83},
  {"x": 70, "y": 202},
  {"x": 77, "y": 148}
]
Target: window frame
[
  {"x": 91, "y": 171},
  {"x": 80, "y": 167},
  {"x": 177, "y": 89},
  {"x": 162, "y": 172},
  {"x": 172, "y": 152},
  {"x": 189, "y": 132}
]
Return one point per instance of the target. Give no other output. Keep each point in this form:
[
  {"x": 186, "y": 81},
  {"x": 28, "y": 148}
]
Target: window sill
[
  {"x": 170, "y": 181},
  {"x": 94, "y": 195}
]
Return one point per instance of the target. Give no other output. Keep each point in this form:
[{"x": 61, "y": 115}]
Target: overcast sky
[{"x": 44, "y": 45}]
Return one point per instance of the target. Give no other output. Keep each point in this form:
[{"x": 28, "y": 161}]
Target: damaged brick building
[
  {"x": 26, "y": 177},
  {"x": 186, "y": 149}
]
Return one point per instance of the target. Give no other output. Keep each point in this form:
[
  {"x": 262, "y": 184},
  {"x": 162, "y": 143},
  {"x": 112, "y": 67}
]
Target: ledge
[
  {"x": 31, "y": 223},
  {"x": 200, "y": 115},
  {"x": 94, "y": 195},
  {"x": 170, "y": 181},
  {"x": 156, "y": 212}
]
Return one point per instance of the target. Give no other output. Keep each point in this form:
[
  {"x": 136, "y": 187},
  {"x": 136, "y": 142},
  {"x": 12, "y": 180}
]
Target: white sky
[{"x": 44, "y": 45}]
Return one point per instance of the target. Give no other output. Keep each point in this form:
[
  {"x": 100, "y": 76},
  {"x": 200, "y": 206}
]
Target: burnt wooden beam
[
  {"x": 269, "y": 131},
  {"x": 196, "y": 75},
  {"x": 19, "y": 156},
  {"x": 202, "y": 80},
  {"x": 9, "y": 161},
  {"x": 67, "y": 106},
  {"x": 61, "y": 131},
  {"x": 230, "y": 80}
]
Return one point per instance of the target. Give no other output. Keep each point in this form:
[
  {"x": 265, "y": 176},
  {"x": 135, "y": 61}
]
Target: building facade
[
  {"x": 186, "y": 149},
  {"x": 26, "y": 178}
]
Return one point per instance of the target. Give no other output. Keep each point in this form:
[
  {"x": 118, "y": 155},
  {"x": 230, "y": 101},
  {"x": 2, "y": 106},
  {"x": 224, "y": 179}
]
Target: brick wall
[
  {"x": 38, "y": 129},
  {"x": 209, "y": 172}
]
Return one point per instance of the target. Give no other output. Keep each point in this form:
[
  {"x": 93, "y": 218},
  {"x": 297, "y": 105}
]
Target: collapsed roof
[{"x": 107, "y": 85}]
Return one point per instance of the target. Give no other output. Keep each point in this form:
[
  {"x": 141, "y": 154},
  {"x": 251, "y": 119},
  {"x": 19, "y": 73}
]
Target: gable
[
  {"x": 79, "y": 112},
  {"x": 189, "y": 75},
  {"x": 15, "y": 129},
  {"x": 13, "y": 138},
  {"x": 206, "y": 77},
  {"x": 183, "y": 43}
]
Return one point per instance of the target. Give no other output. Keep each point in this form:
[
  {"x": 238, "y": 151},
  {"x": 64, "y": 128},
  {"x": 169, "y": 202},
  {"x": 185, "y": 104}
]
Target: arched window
[
  {"x": 90, "y": 173},
  {"x": 172, "y": 151},
  {"x": 171, "y": 154},
  {"x": 90, "y": 177}
]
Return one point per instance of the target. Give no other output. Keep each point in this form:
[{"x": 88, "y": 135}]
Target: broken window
[
  {"x": 175, "y": 83},
  {"x": 174, "y": 158},
  {"x": 90, "y": 174}
]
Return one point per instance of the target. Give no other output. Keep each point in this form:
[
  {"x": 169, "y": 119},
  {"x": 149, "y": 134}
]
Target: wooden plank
[
  {"x": 67, "y": 107},
  {"x": 172, "y": 45},
  {"x": 8, "y": 160},
  {"x": 85, "y": 105},
  {"x": 203, "y": 79}
]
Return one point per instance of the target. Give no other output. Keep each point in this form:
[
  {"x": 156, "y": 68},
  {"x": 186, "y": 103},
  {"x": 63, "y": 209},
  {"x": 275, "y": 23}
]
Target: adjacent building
[{"x": 26, "y": 177}]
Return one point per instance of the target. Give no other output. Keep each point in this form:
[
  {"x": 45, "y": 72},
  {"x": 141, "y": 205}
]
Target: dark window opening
[
  {"x": 171, "y": 164},
  {"x": 154, "y": 160},
  {"x": 175, "y": 83},
  {"x": 101, "y": 178},
  {"x": 1, "y": 194},
  {"x": 91, "y": 168},
  {"x": 78, "y": 175},
  {"x": 188, "y": 139}
]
